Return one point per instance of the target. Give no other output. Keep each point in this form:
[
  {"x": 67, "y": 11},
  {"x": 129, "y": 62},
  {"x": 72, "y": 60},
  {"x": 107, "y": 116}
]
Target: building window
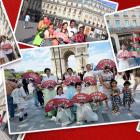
[
  {"x": 125, "y": 14},
  {"x": 116, "y": 15},
  {"x": 126, "y": 23},
  {"x": 117, "y": 23},
  {"x": 108, "y": 23},
  {"x": 134, "y": 23}
]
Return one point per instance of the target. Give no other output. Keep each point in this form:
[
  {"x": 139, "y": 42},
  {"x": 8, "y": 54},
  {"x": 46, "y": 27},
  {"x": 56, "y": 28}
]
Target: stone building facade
[{"x": 124, "y": 25}]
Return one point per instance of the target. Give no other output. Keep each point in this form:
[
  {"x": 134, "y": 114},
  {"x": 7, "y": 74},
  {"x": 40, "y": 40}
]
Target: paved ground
[
  {"x": 27, "y": 35},
  {"x": 36, "y": 119}
]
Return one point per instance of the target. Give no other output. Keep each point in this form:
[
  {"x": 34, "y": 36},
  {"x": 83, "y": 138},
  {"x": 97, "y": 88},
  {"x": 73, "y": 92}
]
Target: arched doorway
[{"x": 68, "y": 55}]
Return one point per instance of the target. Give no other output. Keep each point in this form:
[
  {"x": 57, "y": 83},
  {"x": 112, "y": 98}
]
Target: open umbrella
[
  {"x": 98, "y": 96},
  {"x": 71, "y": 80},
  {"x": 105, "y": 62},
  {"x": 7, "y": 46},
  {"x": 32, "y": 75},
  {"x": 49, "y": 84},
  {"x": 51, "y": 105},
  {"x": 81, "y": 98},
  {"x": 91, "y": 80}
]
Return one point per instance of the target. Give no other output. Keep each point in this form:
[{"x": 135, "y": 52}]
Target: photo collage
[{"x": 82, "y": 67}]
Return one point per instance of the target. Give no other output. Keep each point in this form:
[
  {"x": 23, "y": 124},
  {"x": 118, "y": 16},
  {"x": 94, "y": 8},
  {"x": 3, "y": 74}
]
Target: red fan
[
  {"x": 98, "y": 96},
  {"x": 55, "y": 103},
  {"x": 134, "y": 53},
  {"x": 91, "y": 80},
  {"x": 62, "y": 36},
  {"x": 49, "y": 84},
  {"x": 51, "y": 105},
  {"x": 7, "y": 46},
  {"x": 124, "y": 54},
  {"x": 63, "y": 102},
  {"x": 105, "y": 62},
  {"x": 81, "y": 98},
  {"x": 32, "y": 75},
  {"x": 71, "y": 79}
]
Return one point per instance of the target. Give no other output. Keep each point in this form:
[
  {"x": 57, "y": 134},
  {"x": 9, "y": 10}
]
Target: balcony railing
[{"x": 124, "y": 29}]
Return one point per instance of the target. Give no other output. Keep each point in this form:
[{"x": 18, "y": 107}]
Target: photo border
[
  {"x": 60, "y": 128},
  {"x": 120, "y": 11},
  {"x": 9, "y": 24},
  {"x": 138, "y": 127},
  {"x": 33, "y": 46}
]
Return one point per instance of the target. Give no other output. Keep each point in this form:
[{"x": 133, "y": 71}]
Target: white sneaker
[
  {"x": 53, "y": 118},
  {"x": 79, "y": 123}
]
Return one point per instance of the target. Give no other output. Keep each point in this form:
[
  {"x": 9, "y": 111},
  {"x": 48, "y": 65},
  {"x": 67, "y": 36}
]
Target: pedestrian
[
  {"x": 1, "y": 119},
  {"x": 127, "y": 95},
  {"x": 8, "y": 52},
  {"x": 105, "y": 78},
  {"x": 2, "y": 56},
  {"x": 115, "y": 97},
  {"x": 72, "y": 30},
  {"x": 136, "y": 74},
  {"x": 19, "y": 96},
  {"x": 84, "y": 111},
  {"x": 10, "y": 86},
  {"x": 26, "y": 20},
  {"x": 40, "y": 96},
  {"x": 80, "y": 36},
  {"x": 49, "y": 93},
  {"x": 123, "y": 58},
  {"x": 70, "y": 89},
  {"x": 25, "y": 85},
  {"x": 64, "y": 115}
]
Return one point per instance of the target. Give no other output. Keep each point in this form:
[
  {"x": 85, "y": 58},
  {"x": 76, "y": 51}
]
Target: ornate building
[
  {"x": 4, "y": 25},
  {"x": 124, "y": 25},
  {"x": 5, "y": 29},
  {"x": 85, "y": 12},
  {"x": 60, "y": 57}
]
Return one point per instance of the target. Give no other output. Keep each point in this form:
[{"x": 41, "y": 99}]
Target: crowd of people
[
  {"x": 6, "y": 50},
  {"x": 51, "y": 33},
  {"x": 128, "y": 56},
  {"x": 119, "y": 97}
]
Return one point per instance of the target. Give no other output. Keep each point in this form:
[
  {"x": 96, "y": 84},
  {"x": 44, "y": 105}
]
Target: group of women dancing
[{"x": 104, "y": 82}]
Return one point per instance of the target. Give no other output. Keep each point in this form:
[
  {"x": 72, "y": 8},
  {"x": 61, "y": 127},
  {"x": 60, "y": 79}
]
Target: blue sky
[
  {"x": 113, "y": 5},
  {"x": 40, "y": 58},
  {"x": 98, "y": 51},
  {"x": 33, "y": 59}
]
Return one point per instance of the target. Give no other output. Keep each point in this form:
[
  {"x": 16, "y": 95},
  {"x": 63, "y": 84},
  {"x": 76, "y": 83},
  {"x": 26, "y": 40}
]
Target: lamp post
[{"x": 82, "y": 61}]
